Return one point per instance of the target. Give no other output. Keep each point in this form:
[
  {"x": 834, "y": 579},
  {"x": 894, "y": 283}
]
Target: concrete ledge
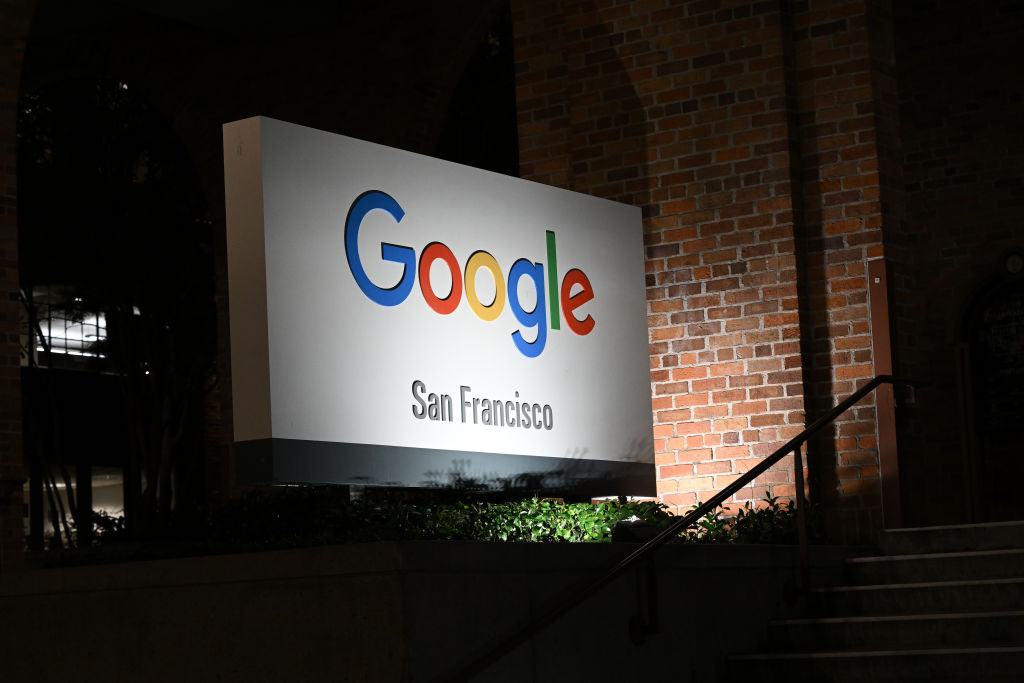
[{"x": 391, "y": 612}]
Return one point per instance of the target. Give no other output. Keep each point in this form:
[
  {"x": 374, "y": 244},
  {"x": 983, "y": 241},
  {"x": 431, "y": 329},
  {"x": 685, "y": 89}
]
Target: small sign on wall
[{"x": 401, "y": 320}]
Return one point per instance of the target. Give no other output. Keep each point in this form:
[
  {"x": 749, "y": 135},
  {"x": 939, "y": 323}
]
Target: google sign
[
  {"x": 522, "y": 268},
  {"x": 400, "y": 320}
]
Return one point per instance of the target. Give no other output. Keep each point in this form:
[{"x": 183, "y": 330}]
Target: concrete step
[
  {"x": 989, "y": 595},
  {"x": 920, "y": 631},
  {"x": 946, "y": 539},
  {"x": 960, "y": 665},
  {"x": 943, "y": 604},
  {"x": 953, "y": 566}
]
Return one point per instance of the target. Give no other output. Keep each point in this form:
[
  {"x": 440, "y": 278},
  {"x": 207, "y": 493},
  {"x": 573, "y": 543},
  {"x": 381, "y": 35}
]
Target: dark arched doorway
[{"x": 993, "y": 332}]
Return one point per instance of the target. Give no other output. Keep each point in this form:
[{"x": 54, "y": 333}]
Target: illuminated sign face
[
  {"x": 522, "y": 268},
  {"x": 396, "y": 319}
]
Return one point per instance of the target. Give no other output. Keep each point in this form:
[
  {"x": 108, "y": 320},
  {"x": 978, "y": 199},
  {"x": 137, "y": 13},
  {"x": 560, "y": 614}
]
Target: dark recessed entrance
[{"x": 994, "y": 332}]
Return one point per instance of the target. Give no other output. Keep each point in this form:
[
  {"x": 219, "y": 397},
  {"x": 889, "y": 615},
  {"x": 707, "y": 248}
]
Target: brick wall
[
  {"x": 746, "y": 131},
  {"x": 14, "y": 20}
]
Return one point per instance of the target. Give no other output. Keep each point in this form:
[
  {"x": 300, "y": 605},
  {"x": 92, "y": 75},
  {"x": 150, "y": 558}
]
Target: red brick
[
  {"x": 731, "y": 452},
  {"x": 679, "y": 499},
  {"x": 723, "y": 369}
]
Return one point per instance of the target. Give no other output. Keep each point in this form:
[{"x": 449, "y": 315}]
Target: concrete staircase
[{"x": 940, "y": 604}]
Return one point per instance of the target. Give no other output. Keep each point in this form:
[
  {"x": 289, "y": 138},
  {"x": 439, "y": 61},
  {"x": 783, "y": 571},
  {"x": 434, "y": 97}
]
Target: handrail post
[
  {"x": 801, "y": 515},
  {"x": 645, "y": 621}
]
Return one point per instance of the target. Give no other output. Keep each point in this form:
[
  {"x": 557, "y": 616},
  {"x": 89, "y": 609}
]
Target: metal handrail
[{"x": 572, "y": 598}]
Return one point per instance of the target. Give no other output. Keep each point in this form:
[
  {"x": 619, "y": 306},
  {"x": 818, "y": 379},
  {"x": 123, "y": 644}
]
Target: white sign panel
[{"x": 403, "y": 312}]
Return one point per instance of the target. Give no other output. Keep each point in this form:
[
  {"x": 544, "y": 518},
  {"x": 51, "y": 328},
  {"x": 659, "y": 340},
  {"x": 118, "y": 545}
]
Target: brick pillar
[
  {"x": 14, "y": 22},
  {"x": 681, "y": 110},
  {"x": 744, "y": 131},
  {"x": 542, "y": 87},
  {"x": 841, "y": 76}
]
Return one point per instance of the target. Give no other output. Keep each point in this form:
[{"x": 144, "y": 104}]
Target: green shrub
[
  {"x": 309, "y": 516},
  {"x": 711, "y": 528},
  {"x": 773, "y": 523}
]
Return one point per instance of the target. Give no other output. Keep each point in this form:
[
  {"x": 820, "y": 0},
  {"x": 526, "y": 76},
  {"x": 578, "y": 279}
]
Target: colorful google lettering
[{"x": 561, "y": 298}]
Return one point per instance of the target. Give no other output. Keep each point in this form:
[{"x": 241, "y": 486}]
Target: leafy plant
[
  {"x": 773, "y": 522},
  {"x": 306, "y": 515},
  {"x": 107, "y": 527},
  {"x": 711, "y": 528}
]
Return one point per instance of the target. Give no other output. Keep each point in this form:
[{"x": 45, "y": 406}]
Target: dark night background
[{"x": 121, "y": 193}]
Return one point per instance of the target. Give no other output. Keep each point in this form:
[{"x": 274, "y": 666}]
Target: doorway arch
[{"x": 993, "y": 339}]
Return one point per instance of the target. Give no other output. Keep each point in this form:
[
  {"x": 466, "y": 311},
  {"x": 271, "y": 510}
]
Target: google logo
[{"x": 575, "y": 289}]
